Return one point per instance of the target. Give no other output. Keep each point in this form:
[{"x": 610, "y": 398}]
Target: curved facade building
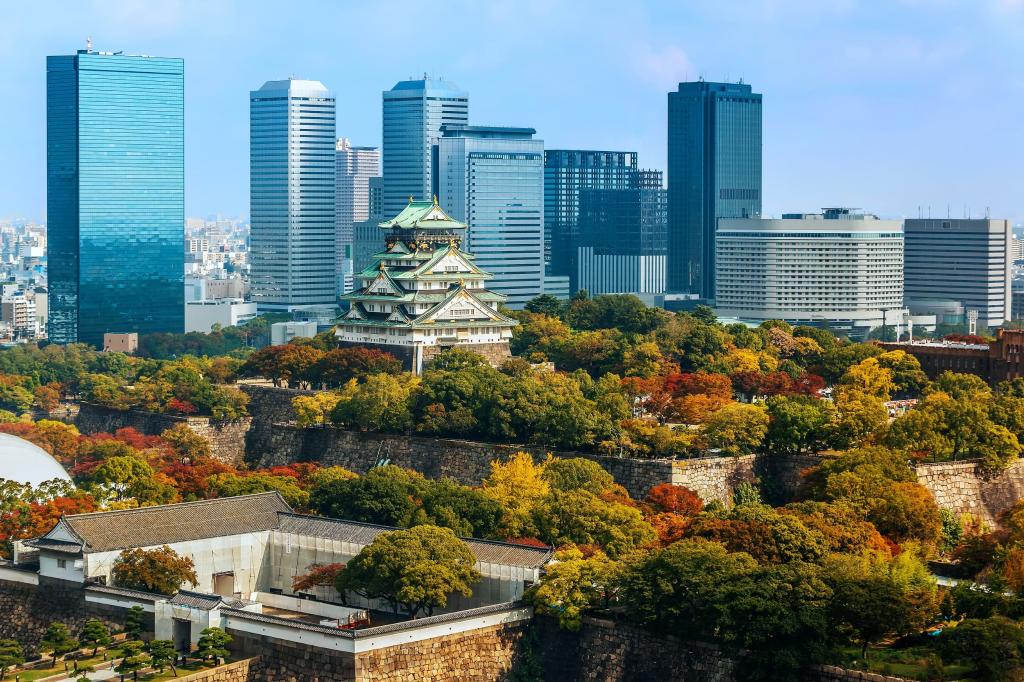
[
  {"x": 838, "y": 269},
  {"x": 26, "y": 462}
]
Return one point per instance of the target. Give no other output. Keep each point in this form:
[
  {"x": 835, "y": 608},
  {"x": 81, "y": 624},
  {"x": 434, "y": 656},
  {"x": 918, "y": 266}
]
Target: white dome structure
[{"x": 26, "y": 462}]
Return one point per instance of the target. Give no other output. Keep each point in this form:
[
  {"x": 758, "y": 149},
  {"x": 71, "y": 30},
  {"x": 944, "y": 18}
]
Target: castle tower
[{"x": 422, "y": 294}]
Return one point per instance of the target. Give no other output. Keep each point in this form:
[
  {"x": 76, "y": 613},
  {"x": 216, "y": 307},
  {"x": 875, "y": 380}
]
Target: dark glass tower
[
  {"x": 567, "y": 172},
  {"x": 714, "y": 171},
  {"x": 115, "y": 173}
]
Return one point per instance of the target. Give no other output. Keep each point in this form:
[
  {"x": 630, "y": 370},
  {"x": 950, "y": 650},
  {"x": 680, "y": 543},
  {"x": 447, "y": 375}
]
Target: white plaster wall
[{"x": 73, "y": 570}]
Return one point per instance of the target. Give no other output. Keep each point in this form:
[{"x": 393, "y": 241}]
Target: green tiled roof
[{"x": 423, "y": 215}]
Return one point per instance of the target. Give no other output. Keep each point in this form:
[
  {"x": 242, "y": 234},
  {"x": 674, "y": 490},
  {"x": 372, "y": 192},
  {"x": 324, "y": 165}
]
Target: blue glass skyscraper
[
  {"x": 291, "y": 195},
  {"x": 714, "y": 171},
  {"x": 115, "y": 173},
  {"x": 414, "y": 111},
  {"x": 493, "y": 179}
]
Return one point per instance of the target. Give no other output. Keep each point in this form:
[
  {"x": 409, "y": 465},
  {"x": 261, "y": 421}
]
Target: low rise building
[
  {"x": 247, "y": 550},
  {"x": 996, "y": 361},
  {"x": 201, "y": 316},
  {"x": 120, "y": 343}
]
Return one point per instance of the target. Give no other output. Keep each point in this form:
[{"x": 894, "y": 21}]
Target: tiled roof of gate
[
  {"x": 170, "y": 523},
  {"x": 486, "y": 551},
  {"x": 203, "y": 601}
]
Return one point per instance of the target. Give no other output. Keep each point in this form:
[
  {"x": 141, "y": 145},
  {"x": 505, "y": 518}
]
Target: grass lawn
[
  {"x": 183, "y": 670},
  {"x": 909, "y": 662},
  {"x": 40, "y": 673}
]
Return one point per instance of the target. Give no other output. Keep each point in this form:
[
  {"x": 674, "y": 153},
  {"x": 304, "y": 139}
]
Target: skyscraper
[
  {"x": 414, "y": 111},
  {"x": 567, "y": 172},
  {"x": 366, "y": 233},
  {"x": 353, "y": 169},
  {"x": 621, "y": 244},
  {"x": 493, "y": 179},
  {"x": 714, "y": 171},
  {"x": 115, "y": 173},
  {"x": 291, "y": 195},
  {"x": 967, "y": 261}
]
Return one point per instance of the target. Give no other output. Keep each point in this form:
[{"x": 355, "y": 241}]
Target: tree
[
  {"x": 47, "y": 398},
  {"x": 677, "y": 589},
  {"x": 545, "y": 304},
  {"x": 876, "y": 597},
  {"x": 415, "y": 569},
  {"x": 736, "y": 429},
  {"x": 870, "y": 378},
  {"x": 135, "y": 622},
  {"x": 230, "y": 485},
  {"x": 160, "y": 570},
  {"x": 130, "y": 476},
  {"x": 213, "y": 644},
  {"x": 762, "y": 532},
  {"x": 133, "y": 659},
  {"x": 674, "y": 499},
  {"x": 573, "y": 584},
  {"x": 58, "y": 641},
  {"x": 577, "y": 473},
  {"x": 315, "y": 410},
  {"x": 381, "y": 403},
  {"x": 582, "y": 518},
  {"x": 799, "y": 424},
  {"x": 187, "y": 443},
  {"x": 995, "y": 646},
  {"x": 11, "y": 654},
  {"x": 162, "y": 654},
  {"x": 95, "y": 633},
  {"x": 518, "y": 485},
  {"x": 317, "y": 575},
  {"x": 385, "y": 495},
  {"x": 336, "y": 367},
  {"x": 466, "y": 511}
]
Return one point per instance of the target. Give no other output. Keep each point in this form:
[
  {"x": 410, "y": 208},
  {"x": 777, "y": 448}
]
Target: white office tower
[
  {"x": 354, "y": 166},
  {"x": 292, "y": 157},
  {"x": 837, "y": 269}
]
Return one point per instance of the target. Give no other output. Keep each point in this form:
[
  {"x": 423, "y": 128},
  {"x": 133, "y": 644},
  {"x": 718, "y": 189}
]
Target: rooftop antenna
[
  {"x": 88, "y": 44},
  {"x": 987, "y": 214}
]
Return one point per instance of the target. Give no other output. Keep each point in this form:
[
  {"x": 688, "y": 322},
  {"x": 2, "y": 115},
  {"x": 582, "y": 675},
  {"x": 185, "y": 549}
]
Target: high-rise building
[
  {"x": 837, "y": 269},
  {"x": 366, "y": 233},
  {"x": 353, "y": 169},
  {"x": 414, "y": 111},
  {"x": 291, "y": 190},
  {"x": 714, "y": 171},
  {"x": 567, "y": 172},
  {"x": 493, "y": 179},
  {"x": 968, "y": 261},
  {"x": 115, "y": 174},
  {"x": 622, "y": 236}
]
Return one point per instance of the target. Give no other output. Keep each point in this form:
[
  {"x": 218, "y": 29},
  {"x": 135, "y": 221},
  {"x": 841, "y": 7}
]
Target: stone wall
[
  {"x": 227, "y": 438},
  {"x": 293, "y": 662},
  {"x": 484, "y": 655},
  {"x": 245, "y": 670},
  {"x": 962, "y": 488}
]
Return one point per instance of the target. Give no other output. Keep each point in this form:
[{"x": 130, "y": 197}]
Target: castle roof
[{"x": 422, "y": 215}]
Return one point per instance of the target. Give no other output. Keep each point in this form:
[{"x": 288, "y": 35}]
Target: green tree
[
  {"x": 135, "y": 622},
  {"x": 385, "y": 495},
  {"x": 799, "y": 424},
  {"x": 573, "y": 584},
  {"x": 132, "y": 659},
  {"x": 466, "y": 511},
  {"x": 160, "y": 570},
  {"x": 678, "y": 589},
  {"x": 213, "y": 643},
  {"x": 95, "y": 634},
  {"x": 230, "y": 485},
  {"x": 11, "y": 654},
  {"x": 130, "y": 476},
  {"x": 736, "y": 429},
  {"x": 581, "y": 518},
  {"x": 415, "y": 569},
  {"x": 162, "y": 653},
  {"x": 58, "y": 641},
  {"x": 994, "y": 646},
  {"x": 576, "y": 473},
  {"x": 381, "y": 403},
  {"x": 876, "y": 598},
  {"x": 186, "y": 442},
  {"x": 545, "y": 304}
]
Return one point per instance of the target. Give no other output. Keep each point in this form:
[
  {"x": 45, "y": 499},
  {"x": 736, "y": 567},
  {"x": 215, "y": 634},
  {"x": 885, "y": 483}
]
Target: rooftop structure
[
  {"x": 25, "y": 462},
  {"x": 423, "y": 293}
]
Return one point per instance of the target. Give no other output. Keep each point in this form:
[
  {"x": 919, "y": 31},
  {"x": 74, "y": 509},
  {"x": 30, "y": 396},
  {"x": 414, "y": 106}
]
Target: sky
[{"x": 893, "y": 106}]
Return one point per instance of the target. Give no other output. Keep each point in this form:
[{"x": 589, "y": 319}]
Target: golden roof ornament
[{"x": 435, "y": 200}]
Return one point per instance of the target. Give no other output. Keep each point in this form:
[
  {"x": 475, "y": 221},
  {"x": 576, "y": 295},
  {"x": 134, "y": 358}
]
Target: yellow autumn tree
[
  {"x": 517, "y": 485},
  {"x": 315, "y": 410}
]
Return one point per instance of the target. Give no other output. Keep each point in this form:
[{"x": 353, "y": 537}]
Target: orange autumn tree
[
  {"x": 160, "y": 570},
  {"x": 317, "y": 575}
]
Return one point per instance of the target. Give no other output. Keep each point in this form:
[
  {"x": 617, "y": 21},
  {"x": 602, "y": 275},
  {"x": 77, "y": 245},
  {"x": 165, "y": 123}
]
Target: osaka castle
[{"x": 422, "y": 294}]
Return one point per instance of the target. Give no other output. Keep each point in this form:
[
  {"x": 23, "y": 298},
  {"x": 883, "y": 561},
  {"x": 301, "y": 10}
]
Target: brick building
[{"x": 997, "y": 361}]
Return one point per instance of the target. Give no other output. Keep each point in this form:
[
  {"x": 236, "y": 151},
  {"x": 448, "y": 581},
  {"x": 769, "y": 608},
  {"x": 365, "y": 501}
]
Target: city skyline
[{"x": 890, "y": 83}]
